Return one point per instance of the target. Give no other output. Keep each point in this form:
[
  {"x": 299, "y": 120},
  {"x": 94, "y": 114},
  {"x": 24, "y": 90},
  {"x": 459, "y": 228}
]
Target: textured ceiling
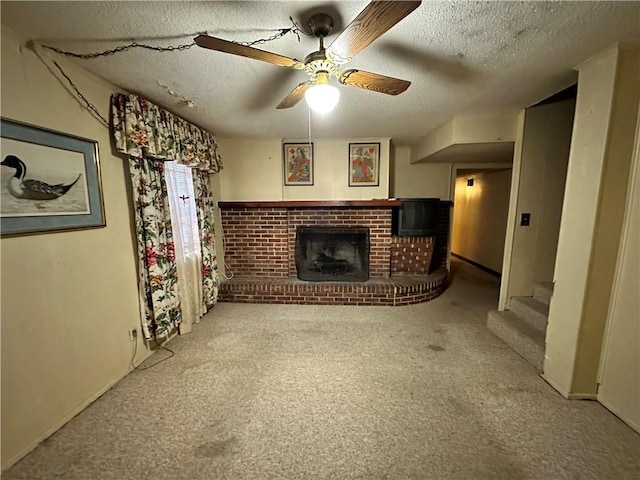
[{"x": 461, "y": 57}]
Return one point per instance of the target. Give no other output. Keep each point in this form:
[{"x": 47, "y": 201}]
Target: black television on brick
[{"x": 416, "y": 217}]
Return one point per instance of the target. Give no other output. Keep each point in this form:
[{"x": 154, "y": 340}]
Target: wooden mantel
[{"x": 312, "y": 204}]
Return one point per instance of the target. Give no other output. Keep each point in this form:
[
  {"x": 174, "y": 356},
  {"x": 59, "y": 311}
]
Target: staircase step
[
  {"x": 543, "y": 291},
  {"x": 532, "y": 311},
  {"x": 527, "y": 341}
]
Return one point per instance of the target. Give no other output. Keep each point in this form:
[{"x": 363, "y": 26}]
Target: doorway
[{"x": 481, "y": 206}]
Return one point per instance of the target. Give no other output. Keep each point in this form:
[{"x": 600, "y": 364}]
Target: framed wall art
[
  {"x": 49, "y": 181},
  {"x": 298, "y": 163},
  {"x": 364, "y": 164}
]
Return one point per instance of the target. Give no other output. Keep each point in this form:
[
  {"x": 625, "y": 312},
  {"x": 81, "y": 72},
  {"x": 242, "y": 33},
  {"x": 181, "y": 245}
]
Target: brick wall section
[
  {"x": 442, "y": 238},
  {"x": 377, "y": 220},
  {"x": 256, "y": 241},
  {"x": 411, "y": 255},
  {"x": 260, "y": 250},
  {"x": 381, "y": 292}
]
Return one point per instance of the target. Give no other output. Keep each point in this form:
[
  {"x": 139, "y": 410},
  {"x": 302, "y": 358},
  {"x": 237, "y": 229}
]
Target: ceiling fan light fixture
[
  {"x": 322, "y": 98},
  {"x": 376, "y": 18}
]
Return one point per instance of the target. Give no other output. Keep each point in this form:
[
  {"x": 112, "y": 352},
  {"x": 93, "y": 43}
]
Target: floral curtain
[
  {"x": 149, "y": 135},
  {"x": 205, "y": 212},
  {"x": 158, "y": 278},
  {"x": 144, "y": 130}
]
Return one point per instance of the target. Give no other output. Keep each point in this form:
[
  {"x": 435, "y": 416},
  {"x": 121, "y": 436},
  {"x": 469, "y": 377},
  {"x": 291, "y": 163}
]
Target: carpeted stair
[{"x": 524, "y": 325}]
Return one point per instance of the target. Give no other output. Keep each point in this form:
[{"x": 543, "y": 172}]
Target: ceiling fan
[{"x": 376, "y": 18}]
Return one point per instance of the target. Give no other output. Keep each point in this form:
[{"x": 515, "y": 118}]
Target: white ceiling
[{"x": 461, "y": 57}]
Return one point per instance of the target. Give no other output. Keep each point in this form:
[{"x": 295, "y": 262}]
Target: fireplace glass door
[{"x": 329, "y": 254}]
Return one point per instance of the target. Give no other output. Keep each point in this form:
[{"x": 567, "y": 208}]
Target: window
[{"x": 183, "y": 207}]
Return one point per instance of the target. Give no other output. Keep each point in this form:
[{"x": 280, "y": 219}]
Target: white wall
[
  {"x": 68, "y": 299},
  {"x": 253, "y": 170},
  {"x": 480, "y": 218},
  {"x": 600, "y": 156}
]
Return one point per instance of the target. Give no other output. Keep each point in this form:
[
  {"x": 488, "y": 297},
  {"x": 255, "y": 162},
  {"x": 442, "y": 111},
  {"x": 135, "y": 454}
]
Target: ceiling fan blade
[
  {"x": 213, "y": 43},
  {"x": 374, "y": 81},
  {"x": 372, "y": 22},
  {"x": 295, "y": 96}
]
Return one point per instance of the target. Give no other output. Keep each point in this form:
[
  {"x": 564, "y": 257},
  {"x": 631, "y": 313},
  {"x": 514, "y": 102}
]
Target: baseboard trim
[
  {"x": 566, "y": 394},
  {"x": 67, "y": 418},
  {"x": 555, "y": 386},
  {"x": 626, "y": 419},
  {"x": 477, "y": 265},
  {"x": 582, "y": 396}
]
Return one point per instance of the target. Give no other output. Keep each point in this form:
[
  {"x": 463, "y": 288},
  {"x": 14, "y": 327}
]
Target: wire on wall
[
  {"x": 88, "y": 105},
  {"x": 295, "y": 29},
  {"x": 225, "y": 266},
  {"x": 119, "y": 49},
  {"x": 281, "y": 32}
]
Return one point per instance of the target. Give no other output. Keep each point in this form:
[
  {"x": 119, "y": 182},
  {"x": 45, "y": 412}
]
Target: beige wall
[
  {"x": 513, "y": 210},
  {"x": 68, "y": 299},
  {"x": 591, "y": 224},
  {"x": 542, "y": 174},
  {"x": 609, "y": 219},
  {"x": 620, "y": 380},
  {"x": 468, "y": 129},
  {"x": 253, "y": 171},
  {"x": 419, "y": 179},
  {"x": 480, "y": 218}
]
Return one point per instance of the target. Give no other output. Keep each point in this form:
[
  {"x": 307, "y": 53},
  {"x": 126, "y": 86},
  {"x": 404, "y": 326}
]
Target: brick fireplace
[{"x": 260, "y": 251}]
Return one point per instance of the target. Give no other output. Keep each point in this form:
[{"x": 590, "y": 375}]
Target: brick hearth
[{"x": 260, "y": 251}]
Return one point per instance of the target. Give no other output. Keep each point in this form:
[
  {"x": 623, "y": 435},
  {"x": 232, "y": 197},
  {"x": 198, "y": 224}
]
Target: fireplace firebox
[{"x": 332, "y": 254}]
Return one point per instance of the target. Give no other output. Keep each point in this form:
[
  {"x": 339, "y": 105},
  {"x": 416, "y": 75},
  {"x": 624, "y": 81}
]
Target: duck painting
[{"x": 32, "y": 189}]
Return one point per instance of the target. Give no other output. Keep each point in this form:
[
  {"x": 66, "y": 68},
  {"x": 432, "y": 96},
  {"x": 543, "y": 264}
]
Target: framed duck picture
[
  {"x": 49, "y": 181},
  {"x": 364, "y": 164}
]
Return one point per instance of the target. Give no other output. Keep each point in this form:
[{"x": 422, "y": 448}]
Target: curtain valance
[{"x": 142, "y": 129}]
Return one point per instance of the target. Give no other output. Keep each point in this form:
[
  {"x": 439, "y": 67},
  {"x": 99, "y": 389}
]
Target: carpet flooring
[{"x": 331, "y": 392}]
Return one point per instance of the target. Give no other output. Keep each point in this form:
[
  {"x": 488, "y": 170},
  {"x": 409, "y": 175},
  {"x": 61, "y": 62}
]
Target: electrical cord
[
  {"x": 160, "y": 347},
  {"x": 281, "y": 32},
  {"x": 121, "y": 48},
  {"x": 295, "y": 29},
  {"x": 90, "y": 106},
  {"x": 225, "y": 267},
  {"x": 135, "y": 352}
]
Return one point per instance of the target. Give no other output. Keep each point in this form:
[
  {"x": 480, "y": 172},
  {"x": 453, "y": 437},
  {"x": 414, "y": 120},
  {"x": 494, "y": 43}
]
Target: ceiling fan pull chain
[{"x": 309, "y": 108}]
